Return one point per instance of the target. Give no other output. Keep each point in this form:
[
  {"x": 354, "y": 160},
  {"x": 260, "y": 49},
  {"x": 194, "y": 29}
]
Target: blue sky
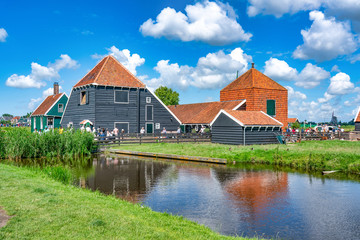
[{"x": 195, "y": 47}]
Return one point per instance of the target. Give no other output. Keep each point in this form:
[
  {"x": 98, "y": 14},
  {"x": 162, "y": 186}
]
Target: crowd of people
[{"x": 318, "y": 129}]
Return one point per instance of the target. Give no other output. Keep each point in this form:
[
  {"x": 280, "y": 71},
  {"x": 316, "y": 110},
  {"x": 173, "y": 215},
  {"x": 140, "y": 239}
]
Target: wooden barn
[
  {"x": 48, "y": 114},
  {"x": 245, "y": 128},
  {"x": 357, "y": 121},
  {"x": 110, "y": 96}
]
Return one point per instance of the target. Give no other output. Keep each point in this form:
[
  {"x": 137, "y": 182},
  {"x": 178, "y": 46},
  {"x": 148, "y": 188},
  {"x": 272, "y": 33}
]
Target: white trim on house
[
  {"x": 54, "y": 104},
  {"x": 47, "y": 122},
  {"x": 146, "y": 119},
  {"x": 66, "y": 105},
  {"x": 164, "y": 105},
  {"x": 227, "y": 114},
  {"x": 128, "y": 93},
  {"x": 239, "y": 105},
  {"x": 357, "y": 115},
  {"x": 272, "y": 118},
  {"x": 120, "y": 129},
  {"x": 242, "y": 124}
]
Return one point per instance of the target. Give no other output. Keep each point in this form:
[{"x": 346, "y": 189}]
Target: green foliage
[
  {"x": 167, "y": 95},
  {"x": 18, "y": 143},
  {"x": 295, "y": 125}
]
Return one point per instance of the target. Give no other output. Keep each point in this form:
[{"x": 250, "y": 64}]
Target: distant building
[
  {"x": 110, "y": 96},
  {"x": 15, "y": 120},
  {"x": 357, "y": 120},
  {"x": 334, "y": 120},
  {"x": 293, "y": 120},
  {"x": 50, "y": 111}
]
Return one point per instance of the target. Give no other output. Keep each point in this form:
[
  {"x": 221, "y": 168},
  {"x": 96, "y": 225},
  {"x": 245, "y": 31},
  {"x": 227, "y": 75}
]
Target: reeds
[{"x": 19, "y": 143}]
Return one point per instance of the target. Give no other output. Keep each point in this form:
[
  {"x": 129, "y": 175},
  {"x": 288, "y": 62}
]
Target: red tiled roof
[
  {"x": 292, "y": 120},
  {"x": 253, "y": 79},
  {"x": 109, "y": 72},
  {"x": 201, "y": 113},
  {"x": 253, "y": 118},
  {"x": 357, "y": 118},
  {"x": 46, "y": 104}
]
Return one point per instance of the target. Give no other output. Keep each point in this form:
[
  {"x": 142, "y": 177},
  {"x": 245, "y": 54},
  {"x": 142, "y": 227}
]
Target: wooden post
[{"x": 140, "y": 139}]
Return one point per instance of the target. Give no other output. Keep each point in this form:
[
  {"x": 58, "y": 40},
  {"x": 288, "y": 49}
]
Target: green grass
[
  {"x": 19, "y": 143},
  {"x": 348, "y": 128},
  {"x": 308, "y": 155},
  {"x": 43, "y": 208}
]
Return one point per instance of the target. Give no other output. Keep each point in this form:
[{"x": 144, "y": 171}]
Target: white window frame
[
  {"x": 47, "y": 123},
  {"x": 62, "y": 108},
  {"x": 128, "y": 93},
  {"x": 148, "y": 99},
  {"x": 157, "y": 126},
  {"x": 128, "y": 128},
  {"x": 146, "y": 123},
  {"x": 85, "y": 97},
  {"x": 34, "y": 124},
  {"x": 41, "y": 123},
  {"x": 152, "y": 112}
]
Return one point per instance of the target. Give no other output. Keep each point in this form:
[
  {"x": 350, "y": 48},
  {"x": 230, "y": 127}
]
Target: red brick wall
[{"x": 256, "y": 100}]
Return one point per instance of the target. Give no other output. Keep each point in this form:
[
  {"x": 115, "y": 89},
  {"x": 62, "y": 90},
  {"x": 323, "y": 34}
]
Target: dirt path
[{"x": 4, "y": 218}]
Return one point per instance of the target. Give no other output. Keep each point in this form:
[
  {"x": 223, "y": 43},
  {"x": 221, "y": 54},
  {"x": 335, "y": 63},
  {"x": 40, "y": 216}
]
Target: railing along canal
[{"x": 138, "y": 138}]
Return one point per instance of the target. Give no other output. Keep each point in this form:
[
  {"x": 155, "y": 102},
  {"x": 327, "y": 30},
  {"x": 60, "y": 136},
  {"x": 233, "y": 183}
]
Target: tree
[{"x": 167, "y": 95}]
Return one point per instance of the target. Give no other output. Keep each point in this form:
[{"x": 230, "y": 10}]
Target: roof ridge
[
  {"x": 127, "y": 70},
  {"x": 101, "y": 69}
]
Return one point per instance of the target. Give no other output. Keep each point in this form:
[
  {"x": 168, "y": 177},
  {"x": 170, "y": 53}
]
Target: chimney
[
  {"x": 56, "y": 88},
  {"x": 252, "y": 65}
]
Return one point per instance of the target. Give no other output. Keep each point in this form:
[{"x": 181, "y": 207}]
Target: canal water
[{"x": 243, "y": 200}]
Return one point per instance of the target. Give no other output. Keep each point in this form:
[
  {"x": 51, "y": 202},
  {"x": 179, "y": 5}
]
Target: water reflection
[
  {"x": 236, "y": 201},
  {"x": 124, "y": 178}
]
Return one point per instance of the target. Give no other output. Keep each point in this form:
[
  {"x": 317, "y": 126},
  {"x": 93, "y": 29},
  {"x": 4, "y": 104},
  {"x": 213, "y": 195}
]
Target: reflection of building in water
[
  {"x": 124, "y": 178},
  {"x": 255, "y": 191}
]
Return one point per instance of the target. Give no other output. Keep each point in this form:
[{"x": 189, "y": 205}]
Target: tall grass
[{"x": 18, "y": 143}]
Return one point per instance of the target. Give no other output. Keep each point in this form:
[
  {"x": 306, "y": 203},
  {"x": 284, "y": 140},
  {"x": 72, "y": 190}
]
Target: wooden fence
[
  {"x": 298, "y": 136},
  {"x": 137, "y": 138}
]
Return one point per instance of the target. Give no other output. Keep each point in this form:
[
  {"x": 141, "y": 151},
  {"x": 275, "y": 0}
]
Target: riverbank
[
  {"x": 309, "y": 155},
  {"x": 43, "y": 208}
]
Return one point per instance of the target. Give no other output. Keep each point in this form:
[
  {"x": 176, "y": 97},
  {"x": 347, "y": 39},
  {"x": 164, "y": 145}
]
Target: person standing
[{"x": 142, "y": 130}]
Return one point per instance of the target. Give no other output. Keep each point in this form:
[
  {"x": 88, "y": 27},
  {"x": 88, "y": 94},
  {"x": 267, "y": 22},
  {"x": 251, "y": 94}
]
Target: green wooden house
[{"x": 50, "y": 111}]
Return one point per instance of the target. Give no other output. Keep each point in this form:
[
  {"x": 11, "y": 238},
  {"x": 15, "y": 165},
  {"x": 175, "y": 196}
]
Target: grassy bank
[
  {"x": 18, "y": 143},
  {"x": 43, "y": 208},
  {"x": 308, "y": 155}
]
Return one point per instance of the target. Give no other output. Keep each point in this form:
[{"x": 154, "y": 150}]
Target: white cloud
[
  {"x": 340, "y": 84},
  {"x": 210, "y": 22},
  {"x": 50, "y": 91},
  {"x": 355, "y": 58},
  {"x": 279, "y": 70},
  {"x": 130, "y": 61},
  {"x": 212, "y": 71},
  {"x": 34, "y": 103},
  {"x": 280, "y": 7},
  {"x": 3, "y": 35},
  {"x": 335, "y": 68},
  {"x": 40, "y": 73},
  {"x": 344, "y": 9},
  {"x": 326, "y": 39},
  {"x": 293, "y": 95},
  {"x": 309, "y": 77}
]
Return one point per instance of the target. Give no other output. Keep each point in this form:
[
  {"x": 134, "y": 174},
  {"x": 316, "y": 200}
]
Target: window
[
  {"x": 270, "y": 107},
  {"x": 41, "y": 123},
  {"x": 34, "y": 122},
  {"x": 149, "y": 116},
  {"x": 83, "y": 98},
  {"x": 148, "y": 99},
  {"x": 60, "y": 107},
  {"x": 122, "y": 126},
  {"x": 50, "y": 122},
  {"x": 157, "y": 125},
  {"x": 121, "y": 97}
]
